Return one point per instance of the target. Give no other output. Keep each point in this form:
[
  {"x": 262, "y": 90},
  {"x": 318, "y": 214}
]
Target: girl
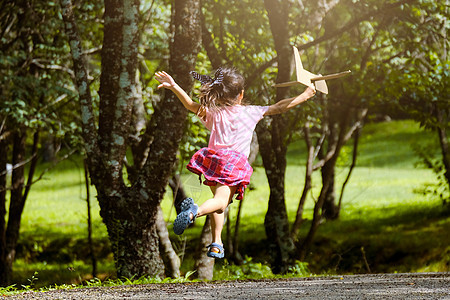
[{"x": 224, "y": 162}]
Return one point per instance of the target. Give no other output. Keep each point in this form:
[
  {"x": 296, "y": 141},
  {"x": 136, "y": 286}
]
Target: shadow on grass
[
  {"x": 59, "y": 258},
  {"x": 405, "y": 239},
  {"x": 42, "y": 274}
]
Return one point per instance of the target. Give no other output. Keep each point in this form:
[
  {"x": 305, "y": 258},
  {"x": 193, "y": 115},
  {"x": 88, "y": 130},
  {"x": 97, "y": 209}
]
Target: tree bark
[
  {"x": 127, "y": 212},
  {"x": 88, "y": 121},
  {"x": 133, "y": 233},
  {"x": 337, "y": 120}
]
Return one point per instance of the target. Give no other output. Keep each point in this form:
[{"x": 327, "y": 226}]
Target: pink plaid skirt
[{"x": 223, "y": 166}]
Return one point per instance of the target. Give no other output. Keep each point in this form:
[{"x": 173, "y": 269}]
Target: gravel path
[{"x": 380, "y": 286}]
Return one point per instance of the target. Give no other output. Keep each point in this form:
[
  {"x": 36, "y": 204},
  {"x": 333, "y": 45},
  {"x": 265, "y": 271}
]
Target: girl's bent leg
[{"x": 222, "y": 198}]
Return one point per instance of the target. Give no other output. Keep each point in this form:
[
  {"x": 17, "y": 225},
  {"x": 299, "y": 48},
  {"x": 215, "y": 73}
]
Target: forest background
[{"x": 77, "y": 83}]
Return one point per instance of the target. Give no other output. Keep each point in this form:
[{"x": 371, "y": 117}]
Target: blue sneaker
[{"x": 183, "y": 219}]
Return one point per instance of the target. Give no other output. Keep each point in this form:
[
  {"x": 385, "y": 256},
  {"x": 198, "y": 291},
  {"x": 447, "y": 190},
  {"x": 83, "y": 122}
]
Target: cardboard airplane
[{"x": 305, "y": 77}]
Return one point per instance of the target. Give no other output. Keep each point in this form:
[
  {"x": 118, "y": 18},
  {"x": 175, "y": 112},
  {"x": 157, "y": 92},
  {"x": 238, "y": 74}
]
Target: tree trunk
[
  {"x": 236, "y": 255},
  {"x": 233, "y": 242},
  {"x": 328, "y": 163},
  {"x": 125, "y": 212},
  {"x": 442, "y": 134},
  {"x": 273, "y": 146},
  {"x": 317, "y": 217},
  {"x": 170, "y": 115},
  {"x": 16, "y": 201},
  {"x": 307, "y": 186},
  {"x": 178, "y": 192},
  {"x": 169, "y": 256},
  {"x": 208, "y": 44},
  {"x": 352, "y": 166},
  {"x": 132, "y": 231},
  {"x": 204, "y": 264},
  {"x": 130, "y": 212},
  {"x": 89, "y": 220},
  {"x": 276, "y": 224},
  {"x": 89, "y": 131},
  {"x": 4, "y": 277},
  {"x": 340, "y": 133},
  {"x": 330, "y": 209}
]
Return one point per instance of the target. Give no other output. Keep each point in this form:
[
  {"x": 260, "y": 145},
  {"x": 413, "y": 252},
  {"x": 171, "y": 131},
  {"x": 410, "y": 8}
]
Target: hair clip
[
  {"x": 205, "y": 79},
  {"x": 218, "y": 77}
]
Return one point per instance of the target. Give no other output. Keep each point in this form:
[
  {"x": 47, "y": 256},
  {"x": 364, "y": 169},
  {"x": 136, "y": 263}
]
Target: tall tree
[
  {"x": 31, "y": 91},
  {"x": 129, "y": 210},
  {"x": 273, "y": 146},
  {"x": 419, "y": 70}
]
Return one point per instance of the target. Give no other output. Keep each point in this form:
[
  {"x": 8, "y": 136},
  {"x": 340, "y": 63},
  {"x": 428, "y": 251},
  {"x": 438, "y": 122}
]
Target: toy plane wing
[{"x": 305, "y": 77}]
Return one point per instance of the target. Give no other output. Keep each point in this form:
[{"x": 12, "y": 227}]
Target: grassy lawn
[{"x": 384, "y": 225}]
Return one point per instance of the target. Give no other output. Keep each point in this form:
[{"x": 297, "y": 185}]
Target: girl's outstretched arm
[
  {"x": 286, "y": 104},
  {"x": 167, "y": 82}
]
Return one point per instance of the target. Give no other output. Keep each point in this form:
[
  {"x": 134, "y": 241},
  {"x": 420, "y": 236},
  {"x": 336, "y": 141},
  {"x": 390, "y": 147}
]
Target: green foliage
[
  {"x": 38, "y": 92},
  {"x": 251, "y": 269},
  {"x": 13, "y": 289},
  {"x": 299, "y": 269},
  {"x": 9, "y": 290},
  {"x": 31, "y": 281},
  {"x": 248, "y": 270}
]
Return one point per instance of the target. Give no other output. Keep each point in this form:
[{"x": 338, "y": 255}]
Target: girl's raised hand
[{"x": 165, "y": 79}]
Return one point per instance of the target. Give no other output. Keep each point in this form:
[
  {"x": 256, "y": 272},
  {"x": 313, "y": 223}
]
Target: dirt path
[{"x": 381, "y": 286}]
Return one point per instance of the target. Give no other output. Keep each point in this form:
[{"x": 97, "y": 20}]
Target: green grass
[{"x": 398, "y": 229}]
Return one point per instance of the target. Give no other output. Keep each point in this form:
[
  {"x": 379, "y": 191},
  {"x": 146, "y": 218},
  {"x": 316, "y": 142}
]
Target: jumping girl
[{"x": 223, "y": 163}]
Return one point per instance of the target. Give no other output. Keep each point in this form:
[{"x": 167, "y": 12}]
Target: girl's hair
[{"x": 222, "y": 92}]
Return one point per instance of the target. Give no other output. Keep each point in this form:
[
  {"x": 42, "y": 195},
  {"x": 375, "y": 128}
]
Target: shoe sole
[
  {"x": 179, "y": 225},
  {"x": 186, "y": 204},
  {"x": 183, "y": 219}
]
